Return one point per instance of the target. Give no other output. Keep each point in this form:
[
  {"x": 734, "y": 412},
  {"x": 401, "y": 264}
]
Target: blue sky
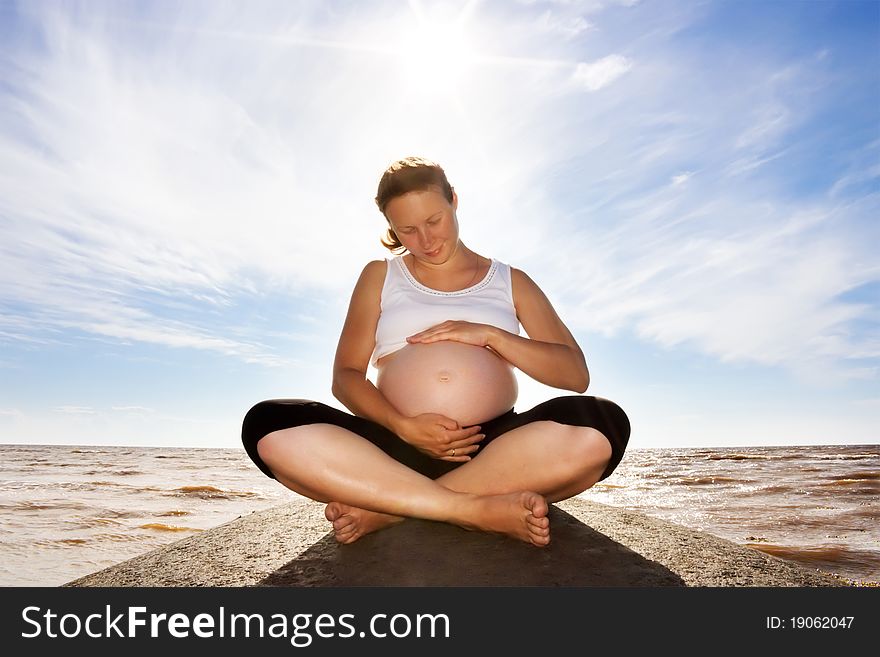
[{"x": 186, "y": 202}]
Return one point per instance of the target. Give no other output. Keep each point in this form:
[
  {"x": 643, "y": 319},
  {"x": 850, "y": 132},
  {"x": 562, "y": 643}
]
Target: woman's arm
[
  {"x": 350, "y": 383},
  {"x": 550, "y": 354}
]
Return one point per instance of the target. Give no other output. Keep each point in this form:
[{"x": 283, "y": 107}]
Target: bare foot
[
  {"x": 519, "y": 515},
  {"x": 350, "y": 522}
]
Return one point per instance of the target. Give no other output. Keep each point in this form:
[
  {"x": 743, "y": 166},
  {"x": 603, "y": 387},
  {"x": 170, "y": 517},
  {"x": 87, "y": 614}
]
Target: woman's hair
[{"x": 411, "y": 174}]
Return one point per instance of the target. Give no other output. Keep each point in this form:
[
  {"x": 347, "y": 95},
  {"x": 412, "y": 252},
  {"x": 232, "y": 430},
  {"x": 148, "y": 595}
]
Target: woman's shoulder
[
  {"x": 367, "y": 291},
  {"x": 374, "y": 266},
  {"x": 525, "y": 290},
  {"x": 518, "y": 276},
  {"x": 373, "y": 273}
]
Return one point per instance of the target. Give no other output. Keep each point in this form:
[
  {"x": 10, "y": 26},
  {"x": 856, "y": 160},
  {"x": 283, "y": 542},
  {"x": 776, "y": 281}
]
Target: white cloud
[
  {"x": 748, "y": 164},
  {"x": 137, "y": 192},
  {"x": 566, "y": 27},
  {"x": 736, "y": 266},
  {"x": 848, "y": 181},
  {"x": 586, "y": 6},
  {"x": 76, "y": 410},
  {"x": 765, "y": 124},
  {"x": 596, "y": 75},
  {"x": 733, "y": 279}
]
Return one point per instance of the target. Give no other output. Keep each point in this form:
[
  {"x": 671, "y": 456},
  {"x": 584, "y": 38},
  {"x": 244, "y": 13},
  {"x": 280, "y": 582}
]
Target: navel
[{"x": 444, "y": 375}]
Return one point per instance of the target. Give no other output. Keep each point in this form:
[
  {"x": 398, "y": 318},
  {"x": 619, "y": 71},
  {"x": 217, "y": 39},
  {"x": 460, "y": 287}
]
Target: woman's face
[{"x": 425, "y": 223}]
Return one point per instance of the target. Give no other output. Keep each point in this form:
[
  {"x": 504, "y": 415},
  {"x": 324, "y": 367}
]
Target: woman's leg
[
  {"x": 328, "y": 462},
  {"x": 556, "y": 458},
  {"x": 560, "y": 448}
]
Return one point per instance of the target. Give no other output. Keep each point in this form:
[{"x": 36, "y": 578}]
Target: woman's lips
[{"x": 433, "y": 254}]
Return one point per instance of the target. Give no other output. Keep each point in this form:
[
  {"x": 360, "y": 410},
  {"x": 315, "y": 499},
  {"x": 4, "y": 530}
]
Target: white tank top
[{"x": 408, "y": 307}]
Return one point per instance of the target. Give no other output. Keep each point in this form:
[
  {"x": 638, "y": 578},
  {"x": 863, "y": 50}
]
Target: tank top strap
[{"x": 503, "y": 279}]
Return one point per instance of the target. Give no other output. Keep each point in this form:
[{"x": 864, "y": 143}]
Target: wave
[
  {"x": 119, "y": 473},
  {"x": 828, "y": 557},
  {"x": 102, "y": 484},
  {"x": 777, "y": 488},
  {"x": 211, "y": 492},
  {"x": 104, "y": 522},
  {"x": 866, "y": 476},
  {"x": 94, "y": 540},
  {"x": 28, "y": 505},
  {"x": 743, "y": 457},
  {"x": 844, "y": 457},
  {"x": 198, "y": 489},
  {"x": 853, "y": 486},
  {"x": 712, "y": 479},
  {"x": 158, "y": 526}
]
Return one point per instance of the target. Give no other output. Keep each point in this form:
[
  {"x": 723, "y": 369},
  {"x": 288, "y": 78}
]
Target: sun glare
[{"x": 435, "y": 55}]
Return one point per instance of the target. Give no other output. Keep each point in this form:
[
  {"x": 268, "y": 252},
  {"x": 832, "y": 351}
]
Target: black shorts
[{"x": 575, "y": 410}]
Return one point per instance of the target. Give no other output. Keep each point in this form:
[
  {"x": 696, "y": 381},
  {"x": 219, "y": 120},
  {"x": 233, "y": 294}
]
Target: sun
[{"x": 434, "y": 53}]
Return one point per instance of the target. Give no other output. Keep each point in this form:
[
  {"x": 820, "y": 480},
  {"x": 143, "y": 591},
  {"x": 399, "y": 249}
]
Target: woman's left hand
[{"x": 456, "y": 331}]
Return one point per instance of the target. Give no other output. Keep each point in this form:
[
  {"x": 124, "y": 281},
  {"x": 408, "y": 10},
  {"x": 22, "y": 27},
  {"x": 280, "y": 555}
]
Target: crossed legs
[{"x": 505, "y": 489}]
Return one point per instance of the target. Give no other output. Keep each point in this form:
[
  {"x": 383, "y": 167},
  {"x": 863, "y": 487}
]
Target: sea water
[{"x": 69, "y": 511}]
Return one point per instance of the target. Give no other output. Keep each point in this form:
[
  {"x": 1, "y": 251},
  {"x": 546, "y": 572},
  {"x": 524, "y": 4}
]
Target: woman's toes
[
  {"x": 540, "y": 531},
  {"x": 536, "y": 504},
  {"x": 345, "y": 532},
  {"x": 343, "y": 523},
  {"x": 538, "y": 523},
  {"x": 333, "y": 510}
]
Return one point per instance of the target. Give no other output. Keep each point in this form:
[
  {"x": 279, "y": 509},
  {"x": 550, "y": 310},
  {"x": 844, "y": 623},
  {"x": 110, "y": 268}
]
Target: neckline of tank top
[{"x": 493, "y": 265}]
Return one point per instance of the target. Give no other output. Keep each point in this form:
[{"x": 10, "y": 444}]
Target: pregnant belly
[{"x": 464, "y": 382}]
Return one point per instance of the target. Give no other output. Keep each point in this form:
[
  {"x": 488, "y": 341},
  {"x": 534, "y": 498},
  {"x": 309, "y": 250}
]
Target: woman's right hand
[{"x": 440, "y": 437}]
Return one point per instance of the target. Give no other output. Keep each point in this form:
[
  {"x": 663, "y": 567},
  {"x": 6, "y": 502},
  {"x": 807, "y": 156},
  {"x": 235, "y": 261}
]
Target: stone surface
[{"x": 592, "y": 545}]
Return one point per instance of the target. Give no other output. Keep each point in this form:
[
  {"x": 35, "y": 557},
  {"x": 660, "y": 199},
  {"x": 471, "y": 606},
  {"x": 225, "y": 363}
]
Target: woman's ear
[{"x": 454, "y": 199}]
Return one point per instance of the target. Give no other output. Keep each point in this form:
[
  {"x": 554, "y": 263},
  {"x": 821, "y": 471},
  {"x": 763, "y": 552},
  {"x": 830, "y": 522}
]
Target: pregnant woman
[{"x": 437, "y": 436}]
